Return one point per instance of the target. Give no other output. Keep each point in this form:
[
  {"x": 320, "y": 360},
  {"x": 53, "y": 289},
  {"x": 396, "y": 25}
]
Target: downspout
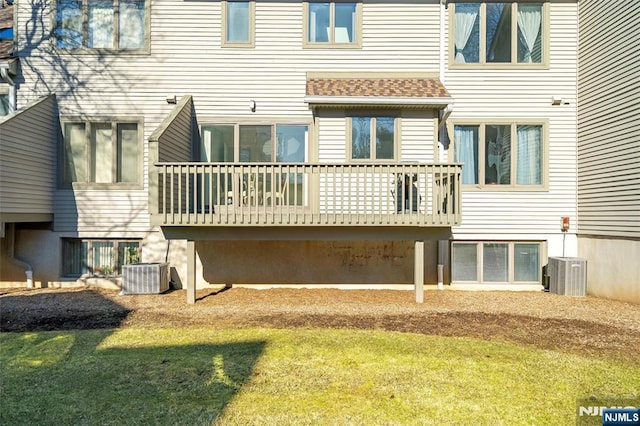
[
  {"x": 442, "y": 50},
  {"x": 443, "y": 118},
  {"x": 28, "y": 270}
]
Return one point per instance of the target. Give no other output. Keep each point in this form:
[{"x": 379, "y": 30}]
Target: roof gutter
[{"x": 377, "y": 100}]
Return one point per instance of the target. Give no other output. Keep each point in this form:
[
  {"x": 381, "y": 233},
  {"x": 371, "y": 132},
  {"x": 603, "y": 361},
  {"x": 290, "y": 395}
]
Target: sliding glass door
[{"x": 257, "y": 143}]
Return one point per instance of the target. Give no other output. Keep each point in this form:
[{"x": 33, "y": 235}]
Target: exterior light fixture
[
  {"x": 171, "y": 99},
  {"x": 252, "y": 105},
  {"x": 556, "y": 101}
]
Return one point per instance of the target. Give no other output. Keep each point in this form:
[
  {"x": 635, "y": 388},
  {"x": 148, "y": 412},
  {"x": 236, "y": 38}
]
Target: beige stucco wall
[
  {"x": 365, "y": 263},
  {"x": 40, "y": 249},
  {"x": 613, "y": 267}
]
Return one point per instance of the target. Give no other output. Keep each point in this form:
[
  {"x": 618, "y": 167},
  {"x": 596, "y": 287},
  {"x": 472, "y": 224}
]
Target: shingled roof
[
  {"x": 6, "y": 22},
  {"x": 377, "y": 87},
  {"x": 377, "y": 90}
]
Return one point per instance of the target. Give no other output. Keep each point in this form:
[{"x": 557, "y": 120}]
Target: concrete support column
[
  {"x": 418, "y": 270},
  {"x": 191, "y": 272}
]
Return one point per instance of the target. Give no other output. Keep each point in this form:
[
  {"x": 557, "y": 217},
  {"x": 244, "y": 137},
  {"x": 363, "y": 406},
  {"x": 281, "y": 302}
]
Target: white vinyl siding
[
  {"x": 608, "y": 123},
  {"x": 395, "y": 37},
  {"x": 418, "y": 134},
  {"x": 101, "y": 213},
  {"x": 525, "y": 94}
]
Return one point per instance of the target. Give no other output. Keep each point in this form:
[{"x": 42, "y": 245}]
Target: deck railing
[{"x": 297, "y": 194}]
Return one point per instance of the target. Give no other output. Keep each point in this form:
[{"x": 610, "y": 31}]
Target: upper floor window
[
  {"x": 372, "y": 138},
  {"x": 100, "y": 152},
  {"x": 238, "y": 23},
  {"x": 336, "y": 23},
  {"x": 498, "y": 155},
  {"x": 5, "y": 107},
  {"x": 101, "y": 24},
  {"x": 498, "y": 33}
]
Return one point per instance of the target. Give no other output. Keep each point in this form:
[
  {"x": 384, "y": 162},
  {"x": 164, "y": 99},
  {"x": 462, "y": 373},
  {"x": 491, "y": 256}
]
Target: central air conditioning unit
[
  {"x": 145, "y": 278},
  {"x": 568, "y": 276}
]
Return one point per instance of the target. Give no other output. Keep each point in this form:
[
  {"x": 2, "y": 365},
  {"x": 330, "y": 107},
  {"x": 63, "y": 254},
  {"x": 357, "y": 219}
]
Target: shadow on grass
[{"x": 68, "y": 366}]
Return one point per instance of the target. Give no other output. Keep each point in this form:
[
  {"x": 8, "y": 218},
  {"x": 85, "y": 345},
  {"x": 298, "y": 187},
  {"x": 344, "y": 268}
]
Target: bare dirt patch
[{"x": 587, "y": 325}]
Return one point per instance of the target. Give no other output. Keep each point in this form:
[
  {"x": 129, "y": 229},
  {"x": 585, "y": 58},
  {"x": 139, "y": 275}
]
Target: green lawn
[{"x": 297, "y": 376}]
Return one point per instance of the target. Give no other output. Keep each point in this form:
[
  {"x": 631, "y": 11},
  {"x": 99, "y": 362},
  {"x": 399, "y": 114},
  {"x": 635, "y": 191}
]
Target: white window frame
[
  {"x": 482, "y": 60},
  {"x": 510, "y": 261}
]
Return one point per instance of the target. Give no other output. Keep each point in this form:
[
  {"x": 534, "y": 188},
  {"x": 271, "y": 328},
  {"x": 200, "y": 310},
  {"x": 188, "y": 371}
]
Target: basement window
[
  {"x": 99, "y": 258},
  {"x": 496, "y": 262}
]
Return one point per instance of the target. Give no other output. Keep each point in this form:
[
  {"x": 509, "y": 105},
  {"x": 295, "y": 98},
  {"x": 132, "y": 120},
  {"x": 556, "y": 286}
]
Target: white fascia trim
[
  {"x": 4, "y": 74},
  {"x": 376, "y": 100}
]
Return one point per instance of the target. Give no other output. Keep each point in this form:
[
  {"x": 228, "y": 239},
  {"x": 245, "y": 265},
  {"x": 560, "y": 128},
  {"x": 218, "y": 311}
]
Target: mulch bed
[{"x": 587, "y": 325}]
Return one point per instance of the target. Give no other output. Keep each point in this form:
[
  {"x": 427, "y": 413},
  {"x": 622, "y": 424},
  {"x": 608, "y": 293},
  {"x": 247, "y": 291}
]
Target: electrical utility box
[{"x": 567, "y": 276}]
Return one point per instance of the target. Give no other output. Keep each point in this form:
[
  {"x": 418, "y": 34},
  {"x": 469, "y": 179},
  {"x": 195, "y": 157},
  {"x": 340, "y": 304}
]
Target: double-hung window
[
  {"x": 372, "y": 137},
  {"x": 101, "y": 153},
  {"x": 496, "y": 262},
  {"x": 493, "y": 33},
  {"x": 102, "y": 24},
  {"x": 335, "y": 23},
  {"x": 238, "y": 23},
  {"x": 501, "y": 155}
]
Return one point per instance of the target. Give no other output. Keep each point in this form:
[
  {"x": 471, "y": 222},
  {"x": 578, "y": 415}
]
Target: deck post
[
  {"x": 418, "y": 271},
  {"x": 191, "y": 272}
]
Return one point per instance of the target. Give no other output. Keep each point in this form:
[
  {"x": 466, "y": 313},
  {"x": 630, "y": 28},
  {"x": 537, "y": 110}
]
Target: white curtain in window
[
  {"x": 529, "y": 20},
  {"x": 529, "y": 155},
  {"x": 100, "y": 25},
  {"x": 466, "y": 147},
  {"x": 463, "y": 27},
  {"x": 312, "y": 26},
  {"x": 132, "y": 24}
]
